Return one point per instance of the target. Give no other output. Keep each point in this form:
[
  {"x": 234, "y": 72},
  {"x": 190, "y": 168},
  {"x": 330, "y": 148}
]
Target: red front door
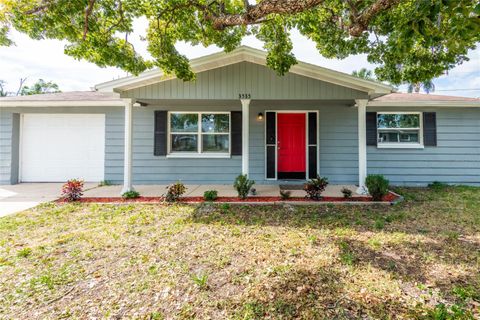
[{"x": 291, "y": 145}]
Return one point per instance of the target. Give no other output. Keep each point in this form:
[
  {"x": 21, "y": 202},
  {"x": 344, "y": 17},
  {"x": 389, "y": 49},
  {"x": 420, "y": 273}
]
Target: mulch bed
[{"x": 390, "y": 197}]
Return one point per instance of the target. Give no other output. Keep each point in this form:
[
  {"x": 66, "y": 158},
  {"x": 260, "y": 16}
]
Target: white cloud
[{"x": 45, "y": 59}]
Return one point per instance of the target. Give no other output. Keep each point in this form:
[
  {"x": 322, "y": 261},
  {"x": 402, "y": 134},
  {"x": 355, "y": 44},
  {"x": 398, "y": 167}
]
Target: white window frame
[
  {"x": 401, "y": 145},
  {"x": 199, "y": 134}
]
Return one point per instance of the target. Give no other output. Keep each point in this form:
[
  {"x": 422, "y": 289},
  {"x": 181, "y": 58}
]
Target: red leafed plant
[{"x": 72, "y": 190}]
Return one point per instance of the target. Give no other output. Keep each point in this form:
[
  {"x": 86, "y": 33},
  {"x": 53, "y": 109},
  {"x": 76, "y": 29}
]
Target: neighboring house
[{"x": 240, "y": 117}]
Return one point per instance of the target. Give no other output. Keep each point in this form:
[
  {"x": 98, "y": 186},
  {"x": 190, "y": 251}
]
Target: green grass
[{"x": 419, "y": 259}]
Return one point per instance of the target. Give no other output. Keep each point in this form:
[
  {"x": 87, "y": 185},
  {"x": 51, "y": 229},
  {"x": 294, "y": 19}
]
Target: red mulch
[{"x": 388, "y": 198}]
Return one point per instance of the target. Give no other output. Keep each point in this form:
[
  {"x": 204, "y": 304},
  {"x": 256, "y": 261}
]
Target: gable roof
[
  {"x": 420, "y": 99},
  {"x": 252, "y": 55}
]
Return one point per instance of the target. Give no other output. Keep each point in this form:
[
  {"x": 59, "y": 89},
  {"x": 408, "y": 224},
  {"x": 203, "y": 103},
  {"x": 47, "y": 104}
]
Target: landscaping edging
[{"x": 389, "y": 199}]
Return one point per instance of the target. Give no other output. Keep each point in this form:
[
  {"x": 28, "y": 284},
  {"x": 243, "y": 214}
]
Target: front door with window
[{"x": 291, "y": 145}]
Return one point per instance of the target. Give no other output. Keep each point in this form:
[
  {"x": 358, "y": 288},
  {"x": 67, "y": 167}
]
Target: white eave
[
  {"x": 65, "y": 99},
  {"x": 247, "y": 54},
  {"x": 463, "y": 104}
]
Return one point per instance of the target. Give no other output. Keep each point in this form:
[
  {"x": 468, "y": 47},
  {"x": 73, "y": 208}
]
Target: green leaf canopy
[{"x": 409, "y": 41}]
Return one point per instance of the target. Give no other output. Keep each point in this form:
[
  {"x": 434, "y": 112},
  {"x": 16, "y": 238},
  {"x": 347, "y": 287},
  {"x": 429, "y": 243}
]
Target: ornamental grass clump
[
  {"x": 314, "y": 187},
  {"x": 72, "y": 190},
  {"x": 377, "y": 186},
  {"x": 243, "y": 185}
]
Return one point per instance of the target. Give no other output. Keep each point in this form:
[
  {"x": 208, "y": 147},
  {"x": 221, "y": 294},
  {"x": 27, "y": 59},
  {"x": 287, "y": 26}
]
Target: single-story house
[{"x": 239, "y": 116}]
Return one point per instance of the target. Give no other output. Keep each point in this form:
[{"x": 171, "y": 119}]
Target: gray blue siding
[
  {"x": 245, "y": 77},
  {"x": 150, "y": 169},
  {"x": 455, "y": 159}
]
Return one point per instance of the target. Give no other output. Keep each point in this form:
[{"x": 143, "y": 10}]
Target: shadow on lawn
[{"x": 315, "y": 294}]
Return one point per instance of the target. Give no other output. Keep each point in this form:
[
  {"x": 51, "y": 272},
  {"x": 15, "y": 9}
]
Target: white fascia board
[
  {"x": 248, "y": 54},
  {"x": 13, "y": 103},
  {"x": 418, "y": 104}
]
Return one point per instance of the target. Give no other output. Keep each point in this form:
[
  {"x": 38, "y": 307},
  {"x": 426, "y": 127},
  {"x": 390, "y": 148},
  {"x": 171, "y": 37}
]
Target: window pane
[
  {"x": 184, "y": 142},
  {"x": 398, "y": 136},
  {"x": 215, "y": 123},
  {"x": 184, "y": 122},
  {"x": 215, "y": 142},
  {"x": 398, "y": 121},
  {"x": 409, "y": 137}
]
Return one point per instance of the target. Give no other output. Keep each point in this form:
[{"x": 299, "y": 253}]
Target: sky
[{"x": 44, "y": 59}]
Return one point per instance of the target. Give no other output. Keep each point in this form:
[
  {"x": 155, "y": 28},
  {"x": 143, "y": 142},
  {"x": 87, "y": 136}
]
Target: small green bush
[
  {"x": 210, "y": 195},
  {"x": 175, "y": 191},
  {"x": 314, "y": 187},
  {"x": 132, "y": 194},
  {"x": 285, "y": 194},
  {"x": 243, "y": 185},
  {"x": 437, "y": 186},
  {"x": 347, "y": 193},
  {"x": 377, "y": 186}
]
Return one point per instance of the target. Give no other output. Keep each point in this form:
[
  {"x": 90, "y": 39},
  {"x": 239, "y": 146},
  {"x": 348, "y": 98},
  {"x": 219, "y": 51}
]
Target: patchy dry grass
[{"x": 419, "y": 259}]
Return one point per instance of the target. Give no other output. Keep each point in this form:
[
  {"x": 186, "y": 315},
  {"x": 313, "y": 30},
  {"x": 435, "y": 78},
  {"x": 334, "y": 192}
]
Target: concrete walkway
[
  {"x": 224, "y": 190},
  {"x": 23, "y": 196}
]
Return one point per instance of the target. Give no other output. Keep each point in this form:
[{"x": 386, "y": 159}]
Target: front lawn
[{"x": 418, "y": 259}]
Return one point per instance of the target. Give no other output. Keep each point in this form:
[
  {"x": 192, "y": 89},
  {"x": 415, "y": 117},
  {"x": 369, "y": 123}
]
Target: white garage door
[{"x": 58, "y": 147}]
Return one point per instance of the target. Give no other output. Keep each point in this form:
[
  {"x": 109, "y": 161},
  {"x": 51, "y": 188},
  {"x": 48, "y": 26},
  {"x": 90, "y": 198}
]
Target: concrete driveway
[{"x": 24, "y": 196}]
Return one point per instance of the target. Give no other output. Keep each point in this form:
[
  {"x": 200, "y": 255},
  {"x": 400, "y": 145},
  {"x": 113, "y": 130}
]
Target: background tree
[
  {"x": 410, "y": 41},
  {"x": 39, "y": 87},
  {"x": 428, "y": 86},
  {"x": 3, "y": 91},
  {"x": 364, "y": 73}
]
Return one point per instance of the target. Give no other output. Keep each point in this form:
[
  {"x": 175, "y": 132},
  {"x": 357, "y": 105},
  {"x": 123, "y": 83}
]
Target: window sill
[
  {"x": 400, "y": 146},
  {"x": 198, "y": 156}
]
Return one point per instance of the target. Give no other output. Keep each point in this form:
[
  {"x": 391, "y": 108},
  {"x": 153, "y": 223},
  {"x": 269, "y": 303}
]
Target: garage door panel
[{"x": 58, "y": 147}]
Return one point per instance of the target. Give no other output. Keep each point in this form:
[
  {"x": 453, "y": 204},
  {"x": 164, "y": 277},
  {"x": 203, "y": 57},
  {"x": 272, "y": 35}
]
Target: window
[
  {"x": 194, "y": 133},
  {"x": 399, "y": 129}
]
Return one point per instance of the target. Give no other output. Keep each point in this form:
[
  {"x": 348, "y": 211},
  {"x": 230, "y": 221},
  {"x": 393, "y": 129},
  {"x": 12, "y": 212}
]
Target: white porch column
[
  {"x": 362, "y": 145},
  {"x": 127, "y": 166},
  {"x": 245, "y": 135}
]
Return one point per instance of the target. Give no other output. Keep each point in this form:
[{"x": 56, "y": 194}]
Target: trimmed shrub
[
  {"x": 243, "y": 185},
  {"x": 175, "y": 191},
  {"x": 210, "y": 195},
  {"x": 377, "y": 186},
  {"x": 314, "y": 187},
  {"x": 132, "y": 194},
  {"x": 285, "y": 194},
  {"x": 347, "y": 193},
  {"x": 72, "y": 190}
]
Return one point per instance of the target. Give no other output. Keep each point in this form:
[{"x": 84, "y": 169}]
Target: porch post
[
  {"x": 245, "y": 135},
  {"x": 362, "y": 145},
  {"x": 127, "y": 165}
]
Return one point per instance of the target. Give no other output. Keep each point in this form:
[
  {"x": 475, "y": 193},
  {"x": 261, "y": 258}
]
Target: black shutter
[
  {"x": 160, "y": 135},
  {"x": 236, "y": 134},
  {"x": 430, "y": 129},
  {"x": 371, "y": 129}
]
